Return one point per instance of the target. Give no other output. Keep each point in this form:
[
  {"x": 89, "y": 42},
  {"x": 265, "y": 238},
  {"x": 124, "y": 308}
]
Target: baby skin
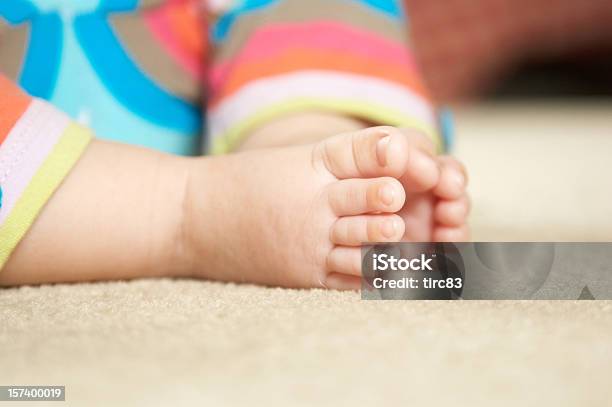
[
  {"x": 285, "y": 216},
  {"x": 296, "y": 216}
]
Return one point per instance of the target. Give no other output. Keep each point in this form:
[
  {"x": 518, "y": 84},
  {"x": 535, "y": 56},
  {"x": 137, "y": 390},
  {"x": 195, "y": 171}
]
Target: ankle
[
  {"x": 175, "y": 257},
  {"x": 192, "y": 237}
]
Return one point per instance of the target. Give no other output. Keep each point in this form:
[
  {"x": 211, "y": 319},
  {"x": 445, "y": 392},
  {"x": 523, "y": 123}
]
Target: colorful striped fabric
[
  {"x": 139, "y": 65},
  {"x": 274, "y": 58},
  {"x": 38, "y": 147},
  {"x": 135, "y": 71}
]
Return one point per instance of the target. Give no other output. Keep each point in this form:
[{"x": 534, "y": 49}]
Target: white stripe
[
  {"x": 266, "y": 92},
  {"x": 26, "y": 147}
]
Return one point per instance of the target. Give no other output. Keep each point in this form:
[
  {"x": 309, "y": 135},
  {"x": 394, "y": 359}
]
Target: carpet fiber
[{"x": 162, "y": 342}]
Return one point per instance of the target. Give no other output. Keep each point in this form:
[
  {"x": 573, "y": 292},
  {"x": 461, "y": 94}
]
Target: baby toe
[
  {"x": 361, "y": 196},
  {"x": 337, "y": 281},
  {"x": 344, "y": 260},
  {"x": 382, "y": 151},
  {"x": 452, "y": 212},
  {"x": 451, "y": 234},
  {"x": 422, "y": 171},
  {"x": 369, "y": 153},
  {"x": 453, "y": 178},
  {"x": 418, "y": 217},
  {"x": 355, "y": 230}
]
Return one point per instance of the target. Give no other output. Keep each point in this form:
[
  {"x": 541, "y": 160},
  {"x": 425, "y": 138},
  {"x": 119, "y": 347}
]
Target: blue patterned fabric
[{"x": 75, "y": 60}]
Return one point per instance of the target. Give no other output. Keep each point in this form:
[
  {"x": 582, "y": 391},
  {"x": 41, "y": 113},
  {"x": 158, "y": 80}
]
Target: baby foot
[
  {"x": 296, "y": 216},
  {"x": 435, "y": 211},
  {"x": 452, "y": 203}
]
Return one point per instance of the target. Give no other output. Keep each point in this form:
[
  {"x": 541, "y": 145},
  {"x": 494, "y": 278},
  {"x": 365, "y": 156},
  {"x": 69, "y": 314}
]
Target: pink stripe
[
  {"x": 322, "y": 35},
  {"x": 26, "y": 148},
  {"x": 318, "y": 86},
  {"x": 159, "y": 26}
]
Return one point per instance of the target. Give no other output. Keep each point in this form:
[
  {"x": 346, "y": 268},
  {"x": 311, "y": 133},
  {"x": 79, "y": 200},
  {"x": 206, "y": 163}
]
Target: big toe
[{"x": 369, "y": 153}]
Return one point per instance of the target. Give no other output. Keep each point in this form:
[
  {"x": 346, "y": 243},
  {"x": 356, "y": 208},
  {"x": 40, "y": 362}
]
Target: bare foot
[
  {"x": 296, "y": 216},
  {"x": 437, "y": 213}
]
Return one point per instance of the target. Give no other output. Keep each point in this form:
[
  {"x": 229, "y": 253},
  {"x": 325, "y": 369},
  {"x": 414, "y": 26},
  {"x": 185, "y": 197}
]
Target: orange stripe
[
  {"x": 297, "y": 60},
  {"x": 187, "y": 25},
  {"x": 13, "y": 103}
]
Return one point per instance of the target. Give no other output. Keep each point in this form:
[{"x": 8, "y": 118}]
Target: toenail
[
  {"x": 389, "y": 228},
  {"x": 387, "y": 194},
  {"x": 381, "y": 150}
]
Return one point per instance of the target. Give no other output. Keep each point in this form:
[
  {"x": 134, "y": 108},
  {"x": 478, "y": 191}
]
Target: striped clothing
[{"x": 140, "y": 71}]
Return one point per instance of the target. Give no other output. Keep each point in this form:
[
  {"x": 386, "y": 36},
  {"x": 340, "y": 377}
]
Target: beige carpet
[{"x": 162, "y": 342}]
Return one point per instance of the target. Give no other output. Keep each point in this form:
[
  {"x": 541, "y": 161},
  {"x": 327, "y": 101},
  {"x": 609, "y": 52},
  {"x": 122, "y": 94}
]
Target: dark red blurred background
[{"x": 474, "y": 48}]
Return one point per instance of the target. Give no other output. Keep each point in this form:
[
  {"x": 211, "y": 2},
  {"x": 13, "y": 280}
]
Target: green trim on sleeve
[
  {"x": 49, "y": 176},
  {"x": 373, "y": 113}
]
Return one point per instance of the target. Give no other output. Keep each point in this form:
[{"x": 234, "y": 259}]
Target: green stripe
[
  {"x": 373, "y": 113},
  {"x": 46, "y": 180}
]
